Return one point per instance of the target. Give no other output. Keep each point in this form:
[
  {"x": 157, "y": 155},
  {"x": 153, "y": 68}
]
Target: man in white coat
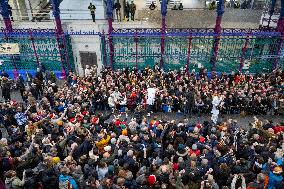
[
  {"x": 88, "y": 71},
  {"x": 114, "y": 99},
  {"x": 111, "y": 102},
  {"x": 216, "y": 102},
  {"x": 151, "y": 94}
]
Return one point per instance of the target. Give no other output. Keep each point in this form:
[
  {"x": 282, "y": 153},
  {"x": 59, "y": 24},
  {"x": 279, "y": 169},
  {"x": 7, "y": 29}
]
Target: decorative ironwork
[
  {"x": 38, "y": 47},
  {"x": 156, "y": 32},
  {"x": 257, "y": 56}
]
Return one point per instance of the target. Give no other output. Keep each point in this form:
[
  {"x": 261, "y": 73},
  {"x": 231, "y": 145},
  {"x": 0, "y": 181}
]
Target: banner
[{"x": 9, "y": 48}]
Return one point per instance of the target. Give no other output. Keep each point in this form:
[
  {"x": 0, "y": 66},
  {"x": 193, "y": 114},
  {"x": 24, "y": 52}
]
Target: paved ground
[
  {"x": 243, "y": 121},
  {"x": 15, "y": 95}
]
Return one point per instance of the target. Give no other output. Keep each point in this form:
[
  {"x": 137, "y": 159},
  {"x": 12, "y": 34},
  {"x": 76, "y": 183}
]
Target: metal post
[
  {"x": 59, "y": 33},
  {"x": 280, "y": 28},
  {"x": 217, "y": 30},
  {"x": 188, "y": 52},
  {"x": 244, "y": 50},
  {"x": 163, "y": 32},
  {"x": 63, "y": 72},
  {"x": 34, "y": 48},
  {"x": 271, "y": 12},
  {"x": 6, "y": 16},
  {"x": 110, "y": 29},
  {"x": 15, "y": 71},
  {"x": 280, "y": 23},
  {"x": 104, "y": 48},
  {"x": 66, "y": 52},
  {"x": 136, "y": 48}
]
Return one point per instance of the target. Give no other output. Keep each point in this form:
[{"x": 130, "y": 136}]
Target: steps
[{"x": 42, "y": 11}]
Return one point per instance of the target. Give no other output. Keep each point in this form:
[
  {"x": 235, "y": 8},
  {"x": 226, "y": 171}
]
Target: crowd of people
[
  {"x": 101, "y": 131},
  {"x": 180, "y": 92}
]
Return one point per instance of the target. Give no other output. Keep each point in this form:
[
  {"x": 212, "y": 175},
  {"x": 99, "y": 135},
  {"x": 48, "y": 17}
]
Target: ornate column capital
[
  {"x": 220, "y": 8},
  {"x": 164, "y": 7}
]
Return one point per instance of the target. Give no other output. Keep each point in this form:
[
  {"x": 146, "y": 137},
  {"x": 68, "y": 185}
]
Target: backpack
[{"x": 65, "y": 184}]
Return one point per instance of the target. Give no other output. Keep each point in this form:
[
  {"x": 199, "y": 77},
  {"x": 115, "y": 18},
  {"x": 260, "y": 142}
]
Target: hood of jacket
[{"x": 63, "y": 178}]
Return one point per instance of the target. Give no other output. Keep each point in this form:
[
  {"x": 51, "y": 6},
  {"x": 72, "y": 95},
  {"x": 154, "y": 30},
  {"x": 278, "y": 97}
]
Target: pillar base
[
  {"x": 280, "y": 25},
  {"x": 63, "y": 74},
  {"x": 58, "y": 25},
  {"x": 8, "y": 24},
  {"x": 15, "y": 73}
]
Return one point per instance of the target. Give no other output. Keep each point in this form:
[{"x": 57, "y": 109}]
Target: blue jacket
[
  {"x": 63, "y": 178},
  {"x": 274, "y": 180}
]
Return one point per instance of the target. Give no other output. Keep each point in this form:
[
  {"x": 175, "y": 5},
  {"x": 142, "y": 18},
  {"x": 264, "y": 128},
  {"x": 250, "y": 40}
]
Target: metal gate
[
  {"x": 38, "y": 48},
  {"x": 254, "y": 50}
]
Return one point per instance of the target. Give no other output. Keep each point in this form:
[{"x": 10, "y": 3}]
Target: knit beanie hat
[
  {"x": 277, "y": 170},
  {"x": 59, "y": 123},
  {"x": 202, "y": 139},
  {"x": 123, "y": 125},
  {"x": 204, "y": 161},
  {"x": 124, "y": 132},
  {"x": 175, "y": 166},
  {"x": 151, "y": 180},
  {"x": 111, "y": 169},
  {"x": 107, "y": 148},
  {"x": 55, "y": 160},
  {"x": 181, "y": 151},
  {"x": 113, "y": 140},
  {"x": 130, "y": 153}
]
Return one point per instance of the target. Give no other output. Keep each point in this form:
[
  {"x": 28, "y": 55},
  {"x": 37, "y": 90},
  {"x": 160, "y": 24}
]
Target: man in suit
[
  {"x": 117, "y": 7},
  {"x": 132, "y": 10},
  {"x": 92, "y": 9}
]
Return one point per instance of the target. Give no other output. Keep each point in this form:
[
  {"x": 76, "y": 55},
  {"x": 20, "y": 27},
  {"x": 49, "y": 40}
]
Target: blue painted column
[
  {"x": 217, "y": 30},
  {"x": 280, "y": 28},
  {"x": 8, "y": 28},
  {"x": 110, "y": 30},
  {"x": 59, "y": 34},
  {"x": 163, "y": 31},
  {"x": 5, "y": 14},
  {"x": 56, "y": 13}
]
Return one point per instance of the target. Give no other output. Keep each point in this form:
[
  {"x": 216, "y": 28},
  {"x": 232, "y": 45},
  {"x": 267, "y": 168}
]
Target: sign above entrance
[{"x": 9, "y": 48}]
